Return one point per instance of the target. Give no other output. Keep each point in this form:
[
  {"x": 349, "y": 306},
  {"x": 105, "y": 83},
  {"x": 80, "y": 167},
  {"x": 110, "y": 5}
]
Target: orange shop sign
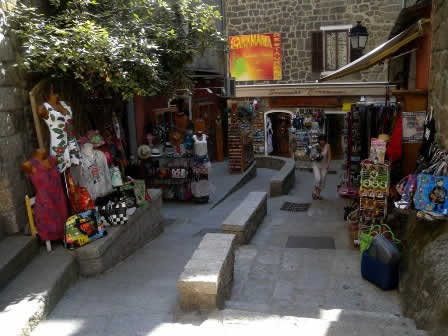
[{"x": 256, "y": 57}]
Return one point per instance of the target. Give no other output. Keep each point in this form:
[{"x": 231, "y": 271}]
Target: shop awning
[{"x": 380, "y": 53}]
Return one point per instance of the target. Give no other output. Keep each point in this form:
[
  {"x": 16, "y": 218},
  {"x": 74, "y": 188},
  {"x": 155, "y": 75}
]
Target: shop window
[{"x": 330, "y": 48}]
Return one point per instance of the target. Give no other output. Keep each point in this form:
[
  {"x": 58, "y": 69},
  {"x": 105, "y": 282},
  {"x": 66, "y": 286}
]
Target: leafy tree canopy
[{"x": 134, "y": 47}]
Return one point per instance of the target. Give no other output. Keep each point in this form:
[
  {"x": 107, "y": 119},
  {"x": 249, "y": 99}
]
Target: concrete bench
[
  {"x": 283, "y": 181},
  {"x": 245, "y": 219},
  {"x": 207, "y": 278},
  {"x": 121, "y": 241}
]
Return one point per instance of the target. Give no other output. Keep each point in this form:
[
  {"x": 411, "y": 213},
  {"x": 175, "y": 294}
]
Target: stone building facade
[
  {"x": 296, "y": 20},
  {"x": 15, "y": 141},
  {"x": 438, "y": 95}
]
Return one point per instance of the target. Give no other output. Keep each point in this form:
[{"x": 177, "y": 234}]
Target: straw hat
[{"x": 144, "y": 152}]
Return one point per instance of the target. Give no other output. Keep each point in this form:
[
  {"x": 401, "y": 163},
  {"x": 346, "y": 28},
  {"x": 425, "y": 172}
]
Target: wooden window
[{"x": 336, "y": 49}]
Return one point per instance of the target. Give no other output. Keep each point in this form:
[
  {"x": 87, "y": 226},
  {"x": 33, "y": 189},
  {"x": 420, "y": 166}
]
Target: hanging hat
[
  {"x": 155, "y": 152},
  {"x": 144, "y": 152},
  {"x": 384, "y": 137}
]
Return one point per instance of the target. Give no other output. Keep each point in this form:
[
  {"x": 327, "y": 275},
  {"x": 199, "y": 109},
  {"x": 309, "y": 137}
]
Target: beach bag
[
  {"x": 432, "y": 194},
  {"x": 83, "y": 228}
]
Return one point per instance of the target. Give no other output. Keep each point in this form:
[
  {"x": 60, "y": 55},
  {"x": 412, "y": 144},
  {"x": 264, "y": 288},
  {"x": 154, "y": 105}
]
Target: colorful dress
[
  {"x": 50, "y": 209},
  {"x": 63, "y": 142}
]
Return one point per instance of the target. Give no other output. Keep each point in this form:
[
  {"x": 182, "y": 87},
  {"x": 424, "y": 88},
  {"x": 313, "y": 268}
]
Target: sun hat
[{"x": 144, "y": 152}]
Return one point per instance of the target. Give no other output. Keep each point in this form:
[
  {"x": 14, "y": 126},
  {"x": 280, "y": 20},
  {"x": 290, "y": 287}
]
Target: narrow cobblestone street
[{"x": 138, "y": 297}]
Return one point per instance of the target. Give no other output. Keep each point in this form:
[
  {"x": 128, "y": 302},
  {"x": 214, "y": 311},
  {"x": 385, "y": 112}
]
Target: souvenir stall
[
  {"x": 78, "y": 175},
  {"x": 175, "y": 158},
  {"x": 383, "y": 138},
  {"x": 241, "y": 149},
  {"x": 308, "y": 125}
]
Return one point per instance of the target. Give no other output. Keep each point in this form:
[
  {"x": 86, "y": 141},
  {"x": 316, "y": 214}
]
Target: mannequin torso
[{"x": 40, "y": 155}]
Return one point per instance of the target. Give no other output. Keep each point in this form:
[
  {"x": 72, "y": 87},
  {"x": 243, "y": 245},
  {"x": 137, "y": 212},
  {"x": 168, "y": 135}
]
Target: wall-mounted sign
[{"x": 256, "y": 57}]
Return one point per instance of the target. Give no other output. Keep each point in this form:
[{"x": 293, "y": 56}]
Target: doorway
[
  {"x": 281, "y": 122},
  {"x": 335, "y": 134}
]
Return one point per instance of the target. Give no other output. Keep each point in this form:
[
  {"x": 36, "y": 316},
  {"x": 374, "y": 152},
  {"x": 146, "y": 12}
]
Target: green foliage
[{"x": 134, "y": 47}]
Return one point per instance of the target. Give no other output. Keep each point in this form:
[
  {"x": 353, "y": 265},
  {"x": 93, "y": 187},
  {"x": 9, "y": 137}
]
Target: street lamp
[{"x": 358, "y": 36}]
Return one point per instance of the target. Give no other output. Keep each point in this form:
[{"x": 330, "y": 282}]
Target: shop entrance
[
  {"x": 335, "y": 131},
  {"x": 281, "y": 122}
]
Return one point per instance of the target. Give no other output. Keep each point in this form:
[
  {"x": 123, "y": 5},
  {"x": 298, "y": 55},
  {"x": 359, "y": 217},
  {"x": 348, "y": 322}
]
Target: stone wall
[
  {"x": 14, "y": 141},
  {"x": 295, "y": 20},
  {"x": 438, "y": 97},
  {"x": 424, "y": 274}
]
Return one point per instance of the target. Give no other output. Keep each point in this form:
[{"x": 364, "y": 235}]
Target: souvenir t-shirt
[
  {"x": 63, "y": 142},
  {"x": 94, "y": 174}
]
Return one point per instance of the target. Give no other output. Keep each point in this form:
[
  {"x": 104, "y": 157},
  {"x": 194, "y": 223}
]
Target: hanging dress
[
  {"x": 63, "y": 142},
  {"x": 50, "y": 209}
]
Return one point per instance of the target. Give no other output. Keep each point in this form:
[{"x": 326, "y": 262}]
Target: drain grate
[
  {"x": 295, "y": 207},
  {"x": 318, "y": 243},
  {"x": 204, "y": 231}
]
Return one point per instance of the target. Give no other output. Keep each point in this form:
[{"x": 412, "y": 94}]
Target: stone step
[
  {"x": 331, "y": 315},
  {"x": 15, "y": 253},
  {"x": 236, "y": 322},
  {"x": 28, "y": 299}
]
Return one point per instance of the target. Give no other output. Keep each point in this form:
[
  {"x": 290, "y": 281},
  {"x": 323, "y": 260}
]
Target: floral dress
[
  {"x": 63, "y": 142},
  {"x": 50, "y": 209}
]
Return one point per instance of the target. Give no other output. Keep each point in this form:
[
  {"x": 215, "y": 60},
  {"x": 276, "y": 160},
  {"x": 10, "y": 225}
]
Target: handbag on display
[
  {"x": 115, "y": 213},
  {"x": 80, "y": 199},
  {"x": 83, "y": 228},
  {"x": 432, "y": 194}
]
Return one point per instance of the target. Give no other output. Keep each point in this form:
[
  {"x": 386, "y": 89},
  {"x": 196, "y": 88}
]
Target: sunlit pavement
[{"x": 276, "y": 289}]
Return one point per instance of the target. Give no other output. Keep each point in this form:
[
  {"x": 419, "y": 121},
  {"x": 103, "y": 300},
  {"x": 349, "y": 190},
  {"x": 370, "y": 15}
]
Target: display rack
[
  {"x": 374, "y": 191},
  {"x": 240, "y": 144},
  {"x": 350, "y": 183},
  {"x": 164, "y": 172}
]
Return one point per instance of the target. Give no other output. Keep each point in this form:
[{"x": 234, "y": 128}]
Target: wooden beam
[{"x": 305, "y": 102}]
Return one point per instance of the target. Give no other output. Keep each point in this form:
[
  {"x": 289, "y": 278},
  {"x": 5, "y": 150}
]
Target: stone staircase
[
  {"x": 31, "y": 282},
  {"x": 310, "y": 292}
]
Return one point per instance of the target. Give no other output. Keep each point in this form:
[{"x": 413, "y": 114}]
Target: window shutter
[{"x": 317, "y": 51}]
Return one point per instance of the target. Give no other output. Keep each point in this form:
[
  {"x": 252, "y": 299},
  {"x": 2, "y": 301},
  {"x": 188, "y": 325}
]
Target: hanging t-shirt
[{"x": 93, "y": 173}]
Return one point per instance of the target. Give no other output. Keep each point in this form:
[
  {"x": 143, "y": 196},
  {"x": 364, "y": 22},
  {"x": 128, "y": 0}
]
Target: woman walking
[{"x": 320, "y": 167}]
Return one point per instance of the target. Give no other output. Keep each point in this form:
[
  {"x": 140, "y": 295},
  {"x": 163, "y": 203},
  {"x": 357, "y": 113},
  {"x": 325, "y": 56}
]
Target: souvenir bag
[
  {"x": 83, "y": 228},
  {"x": 116, "y": 213},
  {"x": 432, "y": 194},
  {"x": 80, "y": 199},
  {"x": 127, "y": 194},
  {"x": 140, "y": 192}
]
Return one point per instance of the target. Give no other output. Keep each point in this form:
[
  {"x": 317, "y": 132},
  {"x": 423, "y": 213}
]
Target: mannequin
[
  {"x": 58, "y": 117},
  {"x": 200, "y": 144},
  {"x": 201, "y": 166},
  {"x": 93, "y": 172},
  {"x": 50, "y": 210}
]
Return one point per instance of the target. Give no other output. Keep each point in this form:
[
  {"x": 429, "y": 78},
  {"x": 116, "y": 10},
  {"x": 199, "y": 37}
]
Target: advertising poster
[
  {"x": 256, "y": 57},
  {"x": 413, "y": 126}
]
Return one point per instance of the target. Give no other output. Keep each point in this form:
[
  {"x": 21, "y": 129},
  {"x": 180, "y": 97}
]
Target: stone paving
[
  {"x": 138, "y": 297},
  {"x": 139, "y": 294}
]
